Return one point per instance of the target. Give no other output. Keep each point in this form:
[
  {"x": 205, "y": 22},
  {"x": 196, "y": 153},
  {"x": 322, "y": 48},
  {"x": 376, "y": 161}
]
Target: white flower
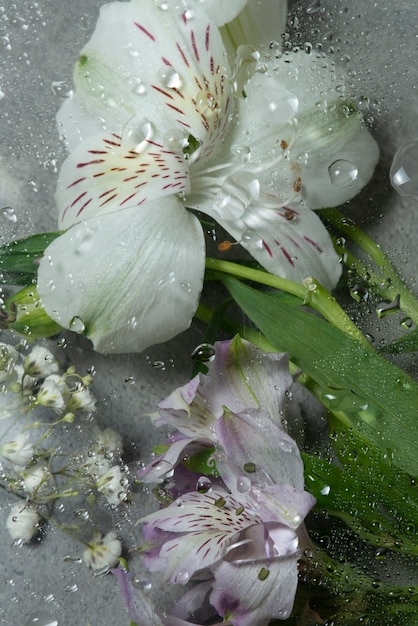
[
  {"x": 22, "y": 522},
  {"x": 19, "y": 451},
  {"x": 9, "y": 357},
  {"x": 160, "y": 123},
  {"x": 81, "y": 399},
  {"x": 109, "y": 440},
  {"x": 112, "y": 485},
  {"x": 34, "y": 477},
  {"x": 53, "y": 393},
  {"x": 103, "y": 551},
  {"x": 96, "y": 464},
  {"x": 40, "y": 362}
]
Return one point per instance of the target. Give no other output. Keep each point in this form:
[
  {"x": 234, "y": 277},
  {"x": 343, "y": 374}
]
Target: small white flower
[
  {"x": 103, "y": 551},
  {"x": 19, "y": 451},
  {"x": 22, "y": 522},
  {"x": 82, "y": 398},
  {"x": 112, "y": 485},
  {"x": 8, "y": 360},
  {"x": 34, "y": 477},
  {"x": 109, "y": 439},
  {"x": 40, "y": 363},
  {"x": 53, "y": 393}
]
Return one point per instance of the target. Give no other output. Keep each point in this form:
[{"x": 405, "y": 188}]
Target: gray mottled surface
[{"x": 375, "y": 41}]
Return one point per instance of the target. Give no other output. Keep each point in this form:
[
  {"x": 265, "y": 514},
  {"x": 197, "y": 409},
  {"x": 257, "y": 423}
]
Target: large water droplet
[
  {"x": 342, "y": 173},
  {"x": 176, "y": 140},
  {"x": 182, "y": 577},
  {"x": 41, "y": 618},
  {"x": 169, "y": 77},
  {"x": 243, "y": 484},
  {"x": 77, "y": 325},
  {"x": 204, "y": 352},
  {"x": 204, "y": 484},
  {"x": 404, "y": 171},
  {"x": 136, "y": 135},
  {"x": 9, "y": 214},
  {"x": 313, "y": 7},
  {"x": 61, "y": 89}
]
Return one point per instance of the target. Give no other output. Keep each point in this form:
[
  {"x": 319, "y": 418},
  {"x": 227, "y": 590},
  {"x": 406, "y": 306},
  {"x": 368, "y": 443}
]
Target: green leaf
[
  {"x": 202, "y": 463},
  {"x": 378, "y": 397},
  {"x": 19, "y": 259},
  {"x": 408, "y": 343}
]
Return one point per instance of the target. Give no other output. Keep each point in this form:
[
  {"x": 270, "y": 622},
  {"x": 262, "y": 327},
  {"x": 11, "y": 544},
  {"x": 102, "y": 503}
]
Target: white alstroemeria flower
[
  {"x": 160, "y": 124},
  {"x": 19, "y": 452},
  {"x": 22, "y": 522},
  {"x": 103, "y": 551}
]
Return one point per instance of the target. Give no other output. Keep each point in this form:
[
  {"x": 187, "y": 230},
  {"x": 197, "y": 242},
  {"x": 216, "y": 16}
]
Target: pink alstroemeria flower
[{"x": 162, "y": 124}]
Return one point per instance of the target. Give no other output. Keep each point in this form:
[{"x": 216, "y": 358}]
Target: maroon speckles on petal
[
  {"x": 194, "y": 46},
  {"x": 312, "y": 243},
  {"x": 267, "y": 248}
]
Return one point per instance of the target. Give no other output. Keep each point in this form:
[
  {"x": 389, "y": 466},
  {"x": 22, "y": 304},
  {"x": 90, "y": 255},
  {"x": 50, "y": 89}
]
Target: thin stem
[
  {"x": 387, "y": 280},
  {"x": 311, "y": 293}
]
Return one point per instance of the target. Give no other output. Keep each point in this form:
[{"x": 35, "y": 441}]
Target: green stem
[
  {"x": 310, "y": 292},
  {"x": 389, "y": 283}
]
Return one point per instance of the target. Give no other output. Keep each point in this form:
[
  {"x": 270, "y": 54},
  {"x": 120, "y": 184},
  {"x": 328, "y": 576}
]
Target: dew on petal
[
  {"x": 203, "y": 485},
  {"x": 243, "y": 484},
  {"x": 137, "y": 134},
  {"x": 403, "y": 172},
  {"x": 77, "y": 325},
  {"x": 169, "y": 78},
  {"x": 206, "y": 103},
  {"x": 182, "y": 577},
  {"x": 342, "y": 173}
]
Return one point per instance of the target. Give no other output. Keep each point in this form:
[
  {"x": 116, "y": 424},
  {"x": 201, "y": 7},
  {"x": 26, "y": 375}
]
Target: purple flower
[{"x": 242, "y": 533}]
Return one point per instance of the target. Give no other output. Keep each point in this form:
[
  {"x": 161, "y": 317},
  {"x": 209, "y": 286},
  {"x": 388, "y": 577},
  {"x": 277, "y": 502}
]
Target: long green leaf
[
  {"x": 18, "y": 259},
  {"x": 376, "y": 395}
]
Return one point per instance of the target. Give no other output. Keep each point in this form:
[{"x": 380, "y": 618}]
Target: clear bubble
[
  {"x": 61, "y": 89},
  {"x": 342, "y": 173},
  {"x": 137, "y": 134},
  {"x": 9, "y": 214}
]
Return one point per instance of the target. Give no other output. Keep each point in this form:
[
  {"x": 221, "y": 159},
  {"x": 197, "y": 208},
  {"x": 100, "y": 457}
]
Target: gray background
[{"x": 375, "y": 41}]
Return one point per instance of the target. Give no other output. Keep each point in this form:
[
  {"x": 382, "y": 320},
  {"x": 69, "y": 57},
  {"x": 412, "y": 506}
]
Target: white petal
[
  {"x": 154, "y": 59},
  {"x": 259, "y": 23},
  {"x": 239, "y": 593},
  {"x": 222, "y": 12},
  {"x": 108, "y": 173},
  {"x": 291, "y": 243},
  {"x": 126, "y": 280}
]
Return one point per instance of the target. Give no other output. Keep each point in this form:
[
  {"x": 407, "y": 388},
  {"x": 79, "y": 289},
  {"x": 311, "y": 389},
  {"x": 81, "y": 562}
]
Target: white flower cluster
[{"x": 35, "y": 398}]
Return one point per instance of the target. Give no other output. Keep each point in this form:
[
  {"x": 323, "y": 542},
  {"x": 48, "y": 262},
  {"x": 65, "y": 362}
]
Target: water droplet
[
  {"x": 342, "y": 173},
  {"x": 182, "y": 577},
  {"x": 61, "y": 89},
  {"x": 137, "y": 86},
  {"x": 406, "y": 323},
  {"x": 140, "y": 583},
  {"x": 363, "y": 103},
  {"x": 9, "y": 214},
  {"x": 158, "y": 365},
  {"x": 204, "y": 484},
  {"x": 71, "y": 588},
  {"x": 403, "y": 172},
  {"x": 137, "y": 134},
  {"x": 206, "y": 103},
  {"x": 252, "y": 239},
  {"x": 176, "y": 140},
  {"x": 72, "y": 559},
  {"x": 161, "y": 4},
  {"x": 82, "y": 514},
  {"x": 41, "y": 618},
  {"x": 169, "y": 78},
  {"x": 77, "y": 325},
  {"x": 204, "y": 352},
  {"x": 188, "y": 15},
  {"x": 386, "y": 308},
  {"x": 243, "y": 484},
  {"x": 243, "y": 153}
]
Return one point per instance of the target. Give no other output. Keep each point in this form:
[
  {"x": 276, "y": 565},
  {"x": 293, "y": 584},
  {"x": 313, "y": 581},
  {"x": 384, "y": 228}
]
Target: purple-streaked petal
[
  {"x": 257, "y": 451},
  {"x": 107, "y": 173},
  {"x": 126, "y": 280},
  {"x": 285, "y": 504},
  {"x": 289, "y": 242},
  {"x": 252, "y": 593},
  {"x": 155, "y": 59}
]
